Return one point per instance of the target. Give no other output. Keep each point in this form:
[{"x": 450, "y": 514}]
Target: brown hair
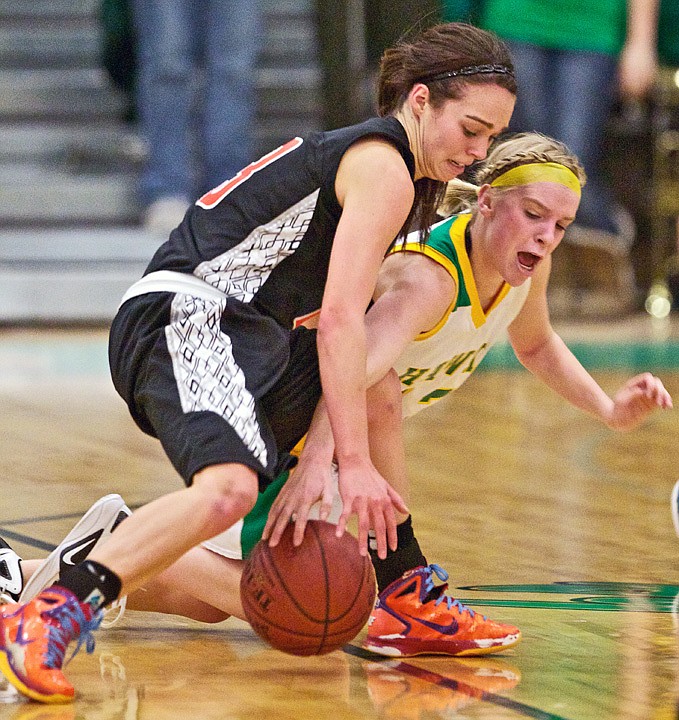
[{"x": 440, "y": 50}]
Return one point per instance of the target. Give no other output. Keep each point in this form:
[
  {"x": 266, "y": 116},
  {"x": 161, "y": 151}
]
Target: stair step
[
  {"x": 34, "y": 45},
  {"x": 90, "y": 8},
  {"x": 88, "y": 94},
  {"x": 30, "y": 46},
  {"x": 105, "y": 147},
  {"x": 288, "y": 92},
  {"x": 69, "y": 275},
  {"x": 89, "y": 295},
  {"x": 288, "y": 36},
  {"x": 36, "y": 194},
  {"x": 57, "y": 247},
  {"x": 57, "y": 94},
  {"x": 51, "y": 143},
  {"x": 56, "y": 10}
]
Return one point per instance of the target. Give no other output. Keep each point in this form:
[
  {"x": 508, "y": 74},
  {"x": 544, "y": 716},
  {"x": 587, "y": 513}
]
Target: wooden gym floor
[{"x": 543, "y": 517}]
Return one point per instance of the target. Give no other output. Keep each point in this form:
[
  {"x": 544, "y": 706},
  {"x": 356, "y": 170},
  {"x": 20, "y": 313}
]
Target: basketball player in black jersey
[{"x": 210, "y": 348}]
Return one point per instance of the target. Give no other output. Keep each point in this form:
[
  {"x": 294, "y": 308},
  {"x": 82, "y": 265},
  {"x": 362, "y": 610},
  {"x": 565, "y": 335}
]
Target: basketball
[{"x": 311, "y": 599}]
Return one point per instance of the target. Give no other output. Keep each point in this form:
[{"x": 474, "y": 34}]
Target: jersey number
[{"x": 215, "y": 196}]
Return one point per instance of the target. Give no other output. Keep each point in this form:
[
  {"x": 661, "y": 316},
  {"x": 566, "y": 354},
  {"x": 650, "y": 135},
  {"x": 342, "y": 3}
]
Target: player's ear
[
  {"x": 486, "y": 200},
  {"x": 418, "y": 97}
]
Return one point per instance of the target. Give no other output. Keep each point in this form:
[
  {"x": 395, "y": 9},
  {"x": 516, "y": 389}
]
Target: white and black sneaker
[
  {"x": 11, "y": 579},
  {"x": 96, "y": 525},
  {"x": 11, "y": 582}
]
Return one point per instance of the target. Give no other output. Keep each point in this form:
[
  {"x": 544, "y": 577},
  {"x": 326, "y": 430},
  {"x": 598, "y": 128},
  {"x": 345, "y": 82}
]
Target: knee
[{"x": 229, "y": 490}]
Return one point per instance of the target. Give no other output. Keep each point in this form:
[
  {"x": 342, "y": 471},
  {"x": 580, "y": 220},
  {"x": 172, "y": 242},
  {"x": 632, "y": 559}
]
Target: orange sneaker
[
  {"x": 413, "y": 616},
  {"x": 34, "y": 638}
]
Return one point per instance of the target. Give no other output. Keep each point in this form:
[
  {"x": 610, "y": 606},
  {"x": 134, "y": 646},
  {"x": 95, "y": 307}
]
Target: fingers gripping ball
[{"x": 311, "y": 599}]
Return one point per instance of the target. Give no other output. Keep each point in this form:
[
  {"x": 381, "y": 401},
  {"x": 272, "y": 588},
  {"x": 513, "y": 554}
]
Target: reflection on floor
[{"x": 543, "y": 517}]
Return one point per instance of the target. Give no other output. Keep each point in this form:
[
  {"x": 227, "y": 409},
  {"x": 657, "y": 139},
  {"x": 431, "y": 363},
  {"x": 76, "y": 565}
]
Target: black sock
[
  {"x": 406, "y": 556},
  {"x": 91, "y": 582}
]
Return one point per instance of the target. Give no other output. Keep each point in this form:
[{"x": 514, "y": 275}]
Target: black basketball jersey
[{"x": 265, "y": 236}]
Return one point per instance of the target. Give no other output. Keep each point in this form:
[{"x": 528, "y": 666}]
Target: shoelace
[
  {"x": 451, "y": 602},
  {"x": 69, "y": 617},
  {"x": 114, "y": 612}
]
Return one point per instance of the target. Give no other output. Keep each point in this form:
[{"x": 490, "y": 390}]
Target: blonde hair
[{"x": 519, "y": 149}]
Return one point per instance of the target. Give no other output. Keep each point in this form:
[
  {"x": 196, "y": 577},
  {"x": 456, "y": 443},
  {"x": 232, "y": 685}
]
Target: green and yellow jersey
[{"x": 440, "y": 360}]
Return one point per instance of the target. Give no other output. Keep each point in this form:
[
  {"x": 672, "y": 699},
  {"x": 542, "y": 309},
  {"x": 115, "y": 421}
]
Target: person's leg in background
[
  {"x": 165, "y": 94},
  {"x": 228, "y": 103},
  {"x": 533, "y": 111},
  {"x": 584, "y": 93},
  {"x": 601, "y": 237},
  {"x": 569, "y": 95}
]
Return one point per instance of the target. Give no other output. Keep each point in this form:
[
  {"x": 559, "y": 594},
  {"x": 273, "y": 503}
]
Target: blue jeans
[
  {"x": 195, "y": 92},
  {"x": 569, "y": 95}
]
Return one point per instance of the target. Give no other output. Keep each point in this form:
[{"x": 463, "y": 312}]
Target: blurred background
[{"x": 75, "y": 230}]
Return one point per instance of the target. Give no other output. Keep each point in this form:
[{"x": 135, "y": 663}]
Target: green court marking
[
  {"x": 601, "y": 596},
  {"x": 63, "y": 357},
  {"x": 600, "y": 356},
  {"x": 89, "y": 356}
]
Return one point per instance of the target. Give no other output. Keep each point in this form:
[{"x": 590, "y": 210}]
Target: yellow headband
[{"x": 539, "y": 172}]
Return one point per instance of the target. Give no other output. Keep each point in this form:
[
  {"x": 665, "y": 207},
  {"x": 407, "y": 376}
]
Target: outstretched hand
[{"x": 636, "y": 399}]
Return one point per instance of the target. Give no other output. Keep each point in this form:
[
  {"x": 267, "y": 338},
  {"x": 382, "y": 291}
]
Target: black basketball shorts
[{"x": 214, "y": 380}]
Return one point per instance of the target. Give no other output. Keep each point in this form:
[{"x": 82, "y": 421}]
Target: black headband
[{"x": 470, "y": 70}]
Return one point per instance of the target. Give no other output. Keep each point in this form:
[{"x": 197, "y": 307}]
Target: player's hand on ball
[
  {"x": 367, "y": 494},
  {"x": 308, "y": 483},
  {"x": 638, "y": 397}
]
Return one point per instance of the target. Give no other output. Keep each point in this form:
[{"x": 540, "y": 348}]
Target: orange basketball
[{"x": 311, "y": 599}]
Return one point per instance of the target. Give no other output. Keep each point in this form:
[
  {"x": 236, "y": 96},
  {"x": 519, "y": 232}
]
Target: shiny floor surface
[{"x": 543, "y": 517}]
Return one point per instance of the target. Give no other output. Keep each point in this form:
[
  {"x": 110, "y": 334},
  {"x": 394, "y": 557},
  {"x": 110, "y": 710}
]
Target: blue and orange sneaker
[
  {"x": 34, "y": 638},
  {"x": 412, "y": 616}
]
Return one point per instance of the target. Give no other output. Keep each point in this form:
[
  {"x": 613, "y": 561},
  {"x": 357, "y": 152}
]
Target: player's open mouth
[{"x": 528, "y": 261}]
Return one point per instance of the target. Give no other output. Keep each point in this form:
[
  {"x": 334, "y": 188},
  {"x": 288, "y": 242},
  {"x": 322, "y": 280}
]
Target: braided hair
[{"x": 508, "y": 153}]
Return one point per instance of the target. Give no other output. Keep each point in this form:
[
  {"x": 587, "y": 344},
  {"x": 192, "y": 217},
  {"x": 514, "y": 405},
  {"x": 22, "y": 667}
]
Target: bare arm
[
  {"x": 412, "y": 295},
  {"x": 376, "y": 194},
  {"x": 544, "y": 353},
  {"x": 639, "y": 57}
]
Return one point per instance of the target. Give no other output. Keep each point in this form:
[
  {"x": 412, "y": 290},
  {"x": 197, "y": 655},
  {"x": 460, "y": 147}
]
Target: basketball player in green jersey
[{"x": 439, "y": 307}]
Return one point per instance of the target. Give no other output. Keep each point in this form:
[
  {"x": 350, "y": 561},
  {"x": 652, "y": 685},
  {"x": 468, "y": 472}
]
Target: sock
[
  {"x": 406, "y": 556},
  {"x": 92, "y": 583}
]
